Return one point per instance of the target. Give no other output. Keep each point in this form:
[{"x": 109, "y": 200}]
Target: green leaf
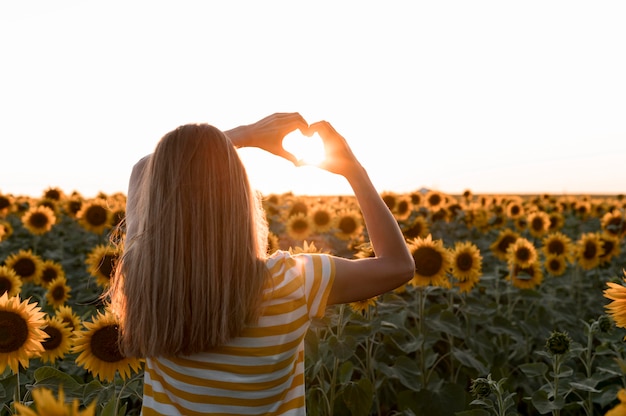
[
  {"x": 543, "y": 404},
  {"x": 468, "y": 360},
  {"x": 448, "y": 323},
  {"x": 534, "y": 369},
  {"x": 345, "y": 371},
  {"x": 343, "y": 348},
  {"x": 52, "y": 378},
  {"x": 585, "y": 385},
  {"x": 359, "y": 396}
]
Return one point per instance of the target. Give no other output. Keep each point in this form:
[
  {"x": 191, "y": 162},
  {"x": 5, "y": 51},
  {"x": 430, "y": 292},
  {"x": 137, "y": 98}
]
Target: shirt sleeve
[{"x": 318, "y": 271}]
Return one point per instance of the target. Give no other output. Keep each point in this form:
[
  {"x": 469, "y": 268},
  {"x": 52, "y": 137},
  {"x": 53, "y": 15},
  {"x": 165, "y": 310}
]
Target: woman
[{"x": 220, "y": 323}]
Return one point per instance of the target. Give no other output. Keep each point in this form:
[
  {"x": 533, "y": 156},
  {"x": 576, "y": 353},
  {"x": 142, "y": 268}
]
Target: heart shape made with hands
[{"x": 308, "y": 150}]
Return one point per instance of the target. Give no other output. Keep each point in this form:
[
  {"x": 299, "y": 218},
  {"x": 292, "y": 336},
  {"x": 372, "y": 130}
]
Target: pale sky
[{"x": 492, "y": 96}]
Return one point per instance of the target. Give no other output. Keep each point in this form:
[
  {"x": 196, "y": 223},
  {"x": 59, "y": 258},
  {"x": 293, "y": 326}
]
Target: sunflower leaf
[{"x": 52, "y": 378}]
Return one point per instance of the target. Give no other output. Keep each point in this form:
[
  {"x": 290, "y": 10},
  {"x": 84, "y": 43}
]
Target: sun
[{"x": 308, "y": 150}]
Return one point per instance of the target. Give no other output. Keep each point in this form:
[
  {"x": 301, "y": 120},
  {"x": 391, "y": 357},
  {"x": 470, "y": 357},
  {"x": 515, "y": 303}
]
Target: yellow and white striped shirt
[{"x": 262, "y": 370}]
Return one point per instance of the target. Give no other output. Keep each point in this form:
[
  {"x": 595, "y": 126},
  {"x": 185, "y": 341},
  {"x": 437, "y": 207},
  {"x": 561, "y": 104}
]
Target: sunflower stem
[{"x": 18, "y": 396}]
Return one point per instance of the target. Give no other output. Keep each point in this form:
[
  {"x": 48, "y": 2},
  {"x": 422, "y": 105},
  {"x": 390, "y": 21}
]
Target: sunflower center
[
  {"x": 522, "y": 254},
  {"x": 515, "y": 210},
  {"x": 321, "y": 218},
  {"x": 590, "y": 250},
  {"x": 106, "y": 265},
  {"x": 464, "y": 261},
  {"x": 4, "y": 202},
  {"x": 390, "y": 201},
  {"x": 58, "y": 293},
  {"x": 38, "y": 220},
  {"x": 5, "y": 285},
  {"x": 434, "y": 200},
  {"x": 48, "y": 275},
  {"x": 428, "y": 261},
  {"x": 13, "y": 332},
  {"x": 54, "y": 338},
  {"x": 300, "y": 226},
  {"x": 506, "y": 241},
  {"x": 74, "y": 206},
  {"x": 299, "y": 208},
  {"x": 537, "y": 224},
  {"x": 554, "y": 265},
  {"x": 556, "y": 247},
  {"x": 96, "y": 215},
  {"x": 104, "y": 344},
  {"x": 414, "y": 230},
  {"x": 607, "y": 248},
  {"x": 24, "y": 267},
  {"x": 403, "y": 207},
  {"x": 347, "y": 225}
]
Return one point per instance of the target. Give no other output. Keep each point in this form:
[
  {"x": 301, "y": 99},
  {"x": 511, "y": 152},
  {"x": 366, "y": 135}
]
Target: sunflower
[
  {"x": 390, "y": 199},
  {"x": 526, "y": 277},
  {"x": 59, "y": 341},
  {"x": 6, "y": 203},
  {"x": 582, "y": 208},
  {"x": 48, "y": 203},
  {"x": 10, "y": 282},
  {"x": 403, "y": 208},
  {"x": 614, "y": 223},
  {"x": 557, "y": 220},
  {"x": 69, "y": 318},
  {"x": 58, "y": 292},
  {"x": 101, "y": 262},
  {"x": 555, "y": 265},
  {"x": 514, "y": 208},
  {"x": 99, "y": 353},
  {"x": 50, "y": 271},
  {"x": 39, "y": 220},
  {"x": 416, "y": 199},
  {"x": 610, "y": 247},
  {"x": 94, "y": 216},
  {"x": 588, "y": 250},
  {"x": 306, "y": 248},
  {"x": 522, "y": 253},
  {"x": 362, "y": 306},
  {"x": 506, "y": 237},
  {"x": 21, "y": 332},
  {"x": 557, "y": 244},
  {"x": 348, "y": 224},
  {"x": 364, "y": 251},
  {"x": 617, "y": 307},
  {"x": 299, "y": 226},
  {"x": 54, "y": 193},
  {"x": 273, "y": 244},
  {"x": 298, "y": 206},
  {"x": 322, "y": 218},
  {"x": 73, "y": 205},
  {"x": 417, "y": 228},
  {"x": 434, "y": 200},
  {"x": 47, "y": 405},
  {"x": 432, "y": 260},
  {"x": 538, "y": 223},
  {"x": 466, "y": 265},
  {"x": 26, "y": 265}
]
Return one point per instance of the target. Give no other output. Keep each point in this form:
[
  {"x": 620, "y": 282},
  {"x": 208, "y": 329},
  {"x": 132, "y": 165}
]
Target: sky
[{"x": 488, "y": 96}]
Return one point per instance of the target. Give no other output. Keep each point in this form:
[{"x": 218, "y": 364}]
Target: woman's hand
[
  {"x": 268, "y": 133},
  {"x": 339, "y": 157}
]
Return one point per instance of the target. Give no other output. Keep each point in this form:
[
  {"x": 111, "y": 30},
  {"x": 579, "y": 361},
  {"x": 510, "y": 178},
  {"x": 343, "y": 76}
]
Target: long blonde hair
[{"x": 192, "y": 275}]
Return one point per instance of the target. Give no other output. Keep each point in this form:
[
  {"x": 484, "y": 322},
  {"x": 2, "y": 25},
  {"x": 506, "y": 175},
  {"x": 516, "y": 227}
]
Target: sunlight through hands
[{"x": 307, "y": 150}]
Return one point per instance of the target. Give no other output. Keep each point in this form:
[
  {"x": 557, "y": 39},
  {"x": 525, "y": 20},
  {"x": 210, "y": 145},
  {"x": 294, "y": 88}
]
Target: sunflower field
[{"x": 517, "y": 306}]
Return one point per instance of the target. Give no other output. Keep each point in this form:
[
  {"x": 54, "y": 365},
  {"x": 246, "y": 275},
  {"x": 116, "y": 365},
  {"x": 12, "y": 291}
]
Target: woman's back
[{"x": 262, "y": 370}]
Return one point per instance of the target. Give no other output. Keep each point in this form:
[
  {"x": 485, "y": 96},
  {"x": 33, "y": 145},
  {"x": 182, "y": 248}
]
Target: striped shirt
[{"x": 262, "y": 370}]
